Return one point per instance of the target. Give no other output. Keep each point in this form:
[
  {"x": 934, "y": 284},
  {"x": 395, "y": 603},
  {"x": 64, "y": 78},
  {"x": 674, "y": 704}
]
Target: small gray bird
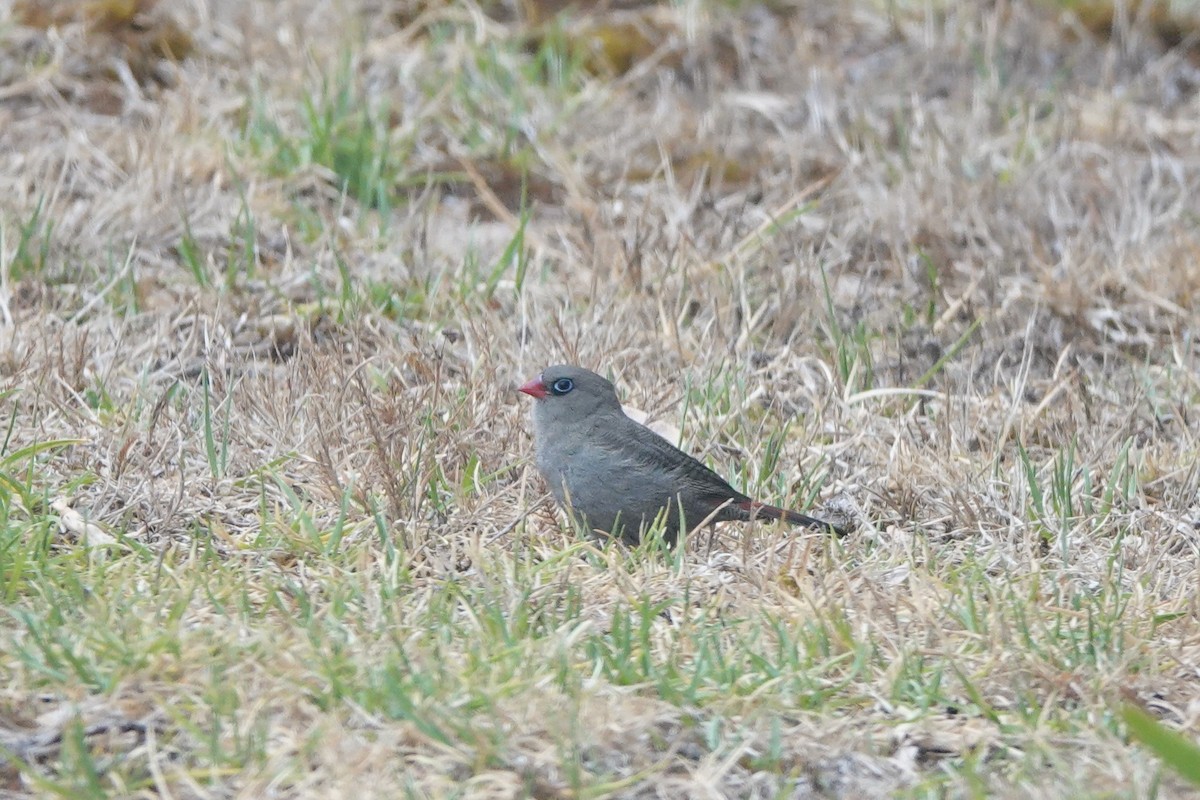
[{"x": 615, "y": 475}]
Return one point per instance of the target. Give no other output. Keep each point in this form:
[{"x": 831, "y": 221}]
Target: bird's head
[{"x": 570, "y": 394}]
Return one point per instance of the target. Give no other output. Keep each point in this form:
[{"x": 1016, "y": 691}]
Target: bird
[{"x": 614, "y": 475}]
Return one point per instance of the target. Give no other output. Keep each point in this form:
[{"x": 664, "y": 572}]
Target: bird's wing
[{"x": 642, "y": 446}]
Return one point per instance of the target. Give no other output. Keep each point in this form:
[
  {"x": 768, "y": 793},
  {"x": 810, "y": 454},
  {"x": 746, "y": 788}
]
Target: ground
[{"x": 270, "y": 273}]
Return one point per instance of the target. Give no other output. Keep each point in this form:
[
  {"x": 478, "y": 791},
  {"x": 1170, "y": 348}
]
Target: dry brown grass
[{"x": 944, "y": 259}]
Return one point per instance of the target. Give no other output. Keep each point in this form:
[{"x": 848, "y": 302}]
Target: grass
[
  {"x": 268, "y": 520},
  {"x": 34, "y": 236},
  {"x": 340, "y": 131}
]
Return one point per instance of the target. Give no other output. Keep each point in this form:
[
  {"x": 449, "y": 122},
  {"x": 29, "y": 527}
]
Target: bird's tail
[{"x": 756, "y": 510}]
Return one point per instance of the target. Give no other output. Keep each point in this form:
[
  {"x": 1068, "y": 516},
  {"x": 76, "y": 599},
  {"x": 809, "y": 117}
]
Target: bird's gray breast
[{"x": 600, "y": 482}]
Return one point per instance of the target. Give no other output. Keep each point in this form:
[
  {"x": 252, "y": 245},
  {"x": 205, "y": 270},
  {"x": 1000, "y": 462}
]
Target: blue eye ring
[{"x": 562, "y": 386}]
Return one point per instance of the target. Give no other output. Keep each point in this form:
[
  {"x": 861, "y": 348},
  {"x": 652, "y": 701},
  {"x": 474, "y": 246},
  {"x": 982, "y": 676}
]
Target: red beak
[{"x": 534, "y": 388}]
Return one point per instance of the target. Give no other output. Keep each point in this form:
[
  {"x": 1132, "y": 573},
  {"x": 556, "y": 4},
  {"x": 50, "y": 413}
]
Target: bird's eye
[{"x": 562, "y": 386}]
